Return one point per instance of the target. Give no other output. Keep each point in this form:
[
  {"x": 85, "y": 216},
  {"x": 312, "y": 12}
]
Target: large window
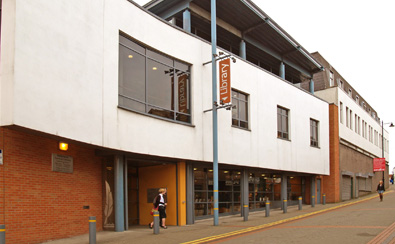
[
  {"x": 240, "y": 111},
  {"x": 152, "y": 83},
  {"x": 313, "y": 133},
  {"x": 229, "y": 196},
  {"x": 282, "y": 123}
]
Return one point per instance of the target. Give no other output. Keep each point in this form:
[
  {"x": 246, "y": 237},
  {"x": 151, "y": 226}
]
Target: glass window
[
  {"x": 282, "y": 123},
  {"x": 240, "y": 111},
  {"x": 331, "y": 79},
  {"x": 152, "y": 83},
  {"x": 341, "y": 112},
  {"x": 313, "y": 133}
]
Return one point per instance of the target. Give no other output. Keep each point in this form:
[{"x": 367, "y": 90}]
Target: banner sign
[
  {"x": 378, "y": 164},
  {"x": 224, "y": 81}
]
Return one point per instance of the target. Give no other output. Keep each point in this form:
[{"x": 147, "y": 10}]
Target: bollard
[
  {"x": 2, "y": 234},
  {"x": 285, "y": 206},
  {"x": 312, "y": 201},
  {"x": 246, "y": 212},
  {"x": 92, "y": 230},
  {"x": 156, "y": 222},
  {"x": 267, "y": 207},
  {"x": 323, "y": 199},
  {"x": 300, "y": 203}
]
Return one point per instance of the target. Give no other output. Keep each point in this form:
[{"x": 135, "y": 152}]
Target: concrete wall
[{"x": 65, "y": 83}]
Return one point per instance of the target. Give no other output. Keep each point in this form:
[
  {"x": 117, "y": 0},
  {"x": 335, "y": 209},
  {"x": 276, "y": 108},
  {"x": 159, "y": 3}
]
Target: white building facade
[{"x": 111, "y": 76}]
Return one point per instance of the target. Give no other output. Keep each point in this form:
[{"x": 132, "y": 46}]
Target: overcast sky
[{"x": 357, "y": 37}]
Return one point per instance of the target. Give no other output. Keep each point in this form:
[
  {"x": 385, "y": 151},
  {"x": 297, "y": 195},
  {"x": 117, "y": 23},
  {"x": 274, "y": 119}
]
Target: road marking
[{"x": 259, "y": 227}]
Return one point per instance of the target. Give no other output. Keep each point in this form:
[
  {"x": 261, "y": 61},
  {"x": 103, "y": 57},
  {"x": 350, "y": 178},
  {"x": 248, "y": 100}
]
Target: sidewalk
[{"x": 203, "y": 230}]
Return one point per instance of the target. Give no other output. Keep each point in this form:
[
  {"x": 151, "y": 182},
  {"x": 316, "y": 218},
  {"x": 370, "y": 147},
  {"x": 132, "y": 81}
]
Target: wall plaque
[{"x": 62, "y": 163}]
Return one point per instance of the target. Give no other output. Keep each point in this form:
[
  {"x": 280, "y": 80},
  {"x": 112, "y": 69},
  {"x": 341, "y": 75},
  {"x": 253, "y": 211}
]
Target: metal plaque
[{"x": 62, "y": 163}]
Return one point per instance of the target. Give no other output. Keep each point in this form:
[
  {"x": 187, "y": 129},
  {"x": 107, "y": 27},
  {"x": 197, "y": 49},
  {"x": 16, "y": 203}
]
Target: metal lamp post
[{"x": 382, "y": 142}]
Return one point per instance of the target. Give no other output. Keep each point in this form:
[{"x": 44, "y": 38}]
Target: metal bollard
[
  {"x": 2, "y": 234},
  {"x": 92, "y": 230},
  {"x": 312, "y": 201},
  {"x": 156, "y": 222},
  {"x": 323, "y": 199},
  {"x": 246, "y": 212},
  {"x": 300, "y": 203},
  {"x": 285, "y": 205},
  {"x": 267, "y": 207}
]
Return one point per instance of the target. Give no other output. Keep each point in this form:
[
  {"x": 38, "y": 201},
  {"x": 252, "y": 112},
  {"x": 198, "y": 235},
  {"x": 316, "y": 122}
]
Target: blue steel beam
[
  {"x": 214, "y": 97},
  {"x": 119, "y": 196},
  {"x": 179, "y": 7},
  {"x": 186, "y": 20}
]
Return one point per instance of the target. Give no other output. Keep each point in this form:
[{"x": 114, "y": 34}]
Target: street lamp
[{"x": 382, "y": 141}]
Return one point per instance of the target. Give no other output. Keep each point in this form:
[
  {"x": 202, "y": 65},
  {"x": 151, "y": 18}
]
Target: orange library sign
[{"x": 224, "y": 81}]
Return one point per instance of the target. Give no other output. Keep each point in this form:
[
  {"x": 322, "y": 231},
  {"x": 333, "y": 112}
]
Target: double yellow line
[{"x": 259, "y": 227}]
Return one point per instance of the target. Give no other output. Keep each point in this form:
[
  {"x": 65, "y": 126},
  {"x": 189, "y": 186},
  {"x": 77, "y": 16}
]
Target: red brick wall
[
  {"x": 332, "y": 182},
  {"x": 38, "y": 204}
]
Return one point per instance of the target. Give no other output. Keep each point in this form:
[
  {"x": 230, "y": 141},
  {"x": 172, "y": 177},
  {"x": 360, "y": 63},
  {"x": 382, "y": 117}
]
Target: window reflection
[{"x": 152, "y": 83}]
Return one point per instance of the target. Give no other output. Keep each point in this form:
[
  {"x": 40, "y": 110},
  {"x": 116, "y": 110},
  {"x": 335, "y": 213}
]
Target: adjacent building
[{"x": 356, "y": 137}]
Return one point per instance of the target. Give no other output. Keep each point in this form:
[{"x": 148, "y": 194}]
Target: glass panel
[
  {"x": 131, "y": 44},
  {"x": 236, "y": 197},
  {"x": 160, "y": 112},
  {"x": 235, "y": 114},
  {"x": 242, "y": 97},
  {"x": 181, "y": 66},
  {"x": 160, "y": 85},
  {"x": 243, "y": 111},
  {"x": 200, "y": 209},
  {"x": 128, "y": 103},
  {"x": 236, "y": 207},
  {"x": 159, "y": 57},
  {"x": 225, "y": 196},
  {"x": 200, "y": 196},
  {"x": 131, "y": 74},
  {"x": 225, "y": 181},
  {"x": 225, "y": 207}
]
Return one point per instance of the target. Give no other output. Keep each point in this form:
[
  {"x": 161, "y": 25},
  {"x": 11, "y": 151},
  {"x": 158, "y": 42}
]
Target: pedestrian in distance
[
  {"x": 380, "y": 190},
  {"x": 160, "y": 203}
]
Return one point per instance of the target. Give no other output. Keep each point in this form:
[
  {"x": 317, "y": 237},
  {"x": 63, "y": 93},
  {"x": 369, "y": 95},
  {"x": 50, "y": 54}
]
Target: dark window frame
[
  {"x": 314, "y": 138},
  {"x": 282, "y": 115},
  {"x": 175, "y": 105},
  {"x": 238, "y": 101}
]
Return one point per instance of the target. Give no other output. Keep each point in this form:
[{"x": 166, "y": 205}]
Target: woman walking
[
  {"x": 160, "y": 203},
  {"x": 380, "y": 190}
]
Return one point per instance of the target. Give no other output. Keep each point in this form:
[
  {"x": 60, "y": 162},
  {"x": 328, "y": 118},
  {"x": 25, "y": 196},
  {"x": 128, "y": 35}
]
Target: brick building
[{"x": 355, "y": 136}]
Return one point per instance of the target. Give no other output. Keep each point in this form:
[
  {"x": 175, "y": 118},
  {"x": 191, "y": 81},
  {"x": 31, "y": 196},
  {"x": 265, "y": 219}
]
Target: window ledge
[
  {"x": 284, "y": 139},
  {"x": 315, "y": 147},
  {"x": 241, "y": 128},
  {"x": 156, "y": 117}
]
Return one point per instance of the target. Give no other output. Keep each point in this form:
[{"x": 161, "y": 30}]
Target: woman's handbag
[{"x": 153, "y": 209}]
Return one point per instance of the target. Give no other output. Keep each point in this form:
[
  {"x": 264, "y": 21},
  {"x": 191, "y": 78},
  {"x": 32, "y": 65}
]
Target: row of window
[
  {"x": 354, "y": 123},
  {"x": 152, "y": 83},
  {"x": 349, "y": 92}
]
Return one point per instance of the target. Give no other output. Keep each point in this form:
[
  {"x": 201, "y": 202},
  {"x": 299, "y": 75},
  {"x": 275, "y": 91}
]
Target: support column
[
  {"x": 311, "y": 85},
  {"x": 313, "y": 191},
  {"x": 243, "y": 51},
  {"x": 186, "y": 20},
  {"x": 245, "y": 202},
  {"x": 190, "y": 195},
  {"x": 283, "y": 190},
  {"x": 282, "y": 70},
  {"x": 119, "y": 194},
  {"x": 125, "y": 192}
]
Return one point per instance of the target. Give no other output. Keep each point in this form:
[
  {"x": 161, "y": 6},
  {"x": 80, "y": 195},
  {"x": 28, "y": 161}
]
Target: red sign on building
[
  {"x": 224, "y": 81},
  {"x": 378, "y": 164}
]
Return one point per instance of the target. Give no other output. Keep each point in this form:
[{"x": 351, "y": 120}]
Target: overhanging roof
[{"x": 250, "y": 23}]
